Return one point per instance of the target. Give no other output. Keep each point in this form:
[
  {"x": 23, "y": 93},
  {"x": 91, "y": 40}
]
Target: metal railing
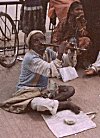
[{"x": 6, "y": 4}]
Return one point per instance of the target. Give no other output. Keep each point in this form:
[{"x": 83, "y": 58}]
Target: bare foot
[{"x": 74, "y": 108}]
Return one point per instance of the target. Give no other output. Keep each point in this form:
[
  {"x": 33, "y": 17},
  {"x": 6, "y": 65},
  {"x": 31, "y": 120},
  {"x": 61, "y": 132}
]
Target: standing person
[
  {"x": 32, "y": 17},
  {"x": 33, "y": 81},
  {"x": 72, "y": 29}
]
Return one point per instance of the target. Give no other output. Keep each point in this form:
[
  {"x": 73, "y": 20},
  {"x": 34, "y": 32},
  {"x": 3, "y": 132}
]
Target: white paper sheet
[
  {"x": 60, "y": 129},
  {"x": 68, "y": 73}
]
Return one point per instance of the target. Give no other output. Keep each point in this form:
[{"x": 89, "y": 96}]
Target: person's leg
[
  {"x": 65, "y": 105},
  {"x": 65, "y": 92},
  {"x": 68, "y": 105},
  {"x": 68, "y": 59}
]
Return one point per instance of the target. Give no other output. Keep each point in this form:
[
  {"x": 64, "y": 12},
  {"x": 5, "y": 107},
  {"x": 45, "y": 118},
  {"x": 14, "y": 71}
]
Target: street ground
[{"x": 31, "y": 125}]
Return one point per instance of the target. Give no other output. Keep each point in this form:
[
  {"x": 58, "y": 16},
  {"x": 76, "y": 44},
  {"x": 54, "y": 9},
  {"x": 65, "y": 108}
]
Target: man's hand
[{"x": 84, "y": 42}]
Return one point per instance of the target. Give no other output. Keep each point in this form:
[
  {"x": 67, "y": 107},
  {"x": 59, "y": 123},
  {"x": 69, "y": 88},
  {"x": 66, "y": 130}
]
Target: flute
[{"x": 68, "y": 47}]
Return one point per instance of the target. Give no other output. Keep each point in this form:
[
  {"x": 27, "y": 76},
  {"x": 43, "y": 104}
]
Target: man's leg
[
  {"x": 66, "y": 105},
  {"x": 65, "y": 92},
  {"x": 51, "y": 106}
]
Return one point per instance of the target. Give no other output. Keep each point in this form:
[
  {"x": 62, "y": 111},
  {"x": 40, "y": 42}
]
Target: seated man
[
  {"x": 35, "y": 71},
  {"x": 34, "y": 90},
  {"x": 72, "y": 29},
  {"x": 31, "y": 17}
]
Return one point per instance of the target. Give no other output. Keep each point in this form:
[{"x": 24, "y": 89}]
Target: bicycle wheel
[{"x": 8, "y": 41}]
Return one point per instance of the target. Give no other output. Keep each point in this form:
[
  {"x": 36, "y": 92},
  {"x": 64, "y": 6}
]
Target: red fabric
[{"x": 60, "y": 7}]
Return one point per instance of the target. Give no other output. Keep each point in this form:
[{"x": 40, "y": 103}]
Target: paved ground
[{"x": 31, "y": 125}]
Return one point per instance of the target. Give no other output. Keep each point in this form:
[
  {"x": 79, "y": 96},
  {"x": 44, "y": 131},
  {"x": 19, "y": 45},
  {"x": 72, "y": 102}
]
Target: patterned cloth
[
  {"x": 66, "y": 29},
  {"x": 31, "y": 3},
  {"x": 60, "y": 7},
  {"x": 70, "y": 28},
  {"x": 32, "y": 16}
]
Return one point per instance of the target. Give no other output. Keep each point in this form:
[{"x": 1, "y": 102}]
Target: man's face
[
  {"x": 36, "y": 42},
  {"x": 78, "y": 10}
]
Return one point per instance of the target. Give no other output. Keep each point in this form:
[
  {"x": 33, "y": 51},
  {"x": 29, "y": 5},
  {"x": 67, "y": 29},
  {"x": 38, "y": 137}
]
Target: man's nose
[{"x": 81, "y": 11}]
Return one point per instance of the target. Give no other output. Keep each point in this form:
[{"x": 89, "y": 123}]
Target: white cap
[{"x": 32, "y": 33}]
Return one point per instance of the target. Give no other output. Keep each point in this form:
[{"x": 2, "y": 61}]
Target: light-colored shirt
[{"x": 32, "y": 66}]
